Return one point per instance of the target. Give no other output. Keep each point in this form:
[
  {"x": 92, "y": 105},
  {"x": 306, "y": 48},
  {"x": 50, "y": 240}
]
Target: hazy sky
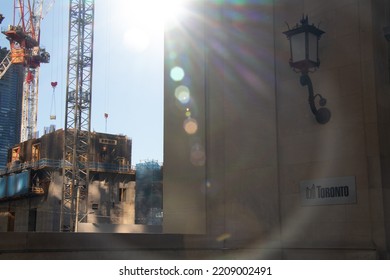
[{"x": 127, "y": 72}]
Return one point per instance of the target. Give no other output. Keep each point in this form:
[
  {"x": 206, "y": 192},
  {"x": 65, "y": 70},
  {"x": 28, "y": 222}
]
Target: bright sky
[{"x": 128, "y": 70}]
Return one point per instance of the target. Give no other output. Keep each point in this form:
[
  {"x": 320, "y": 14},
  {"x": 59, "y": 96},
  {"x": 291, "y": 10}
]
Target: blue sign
[
  {"x": 3, "y": 187},
  {"x": 18, "y": 184}
]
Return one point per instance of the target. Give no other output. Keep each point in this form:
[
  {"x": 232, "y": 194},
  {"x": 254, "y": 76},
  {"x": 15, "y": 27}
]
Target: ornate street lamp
[{"x": 304, "y": 58}]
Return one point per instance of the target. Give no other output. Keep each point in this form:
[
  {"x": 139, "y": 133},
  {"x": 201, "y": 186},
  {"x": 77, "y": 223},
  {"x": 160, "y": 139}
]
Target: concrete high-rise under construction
[{"x": 31, "y": 186}]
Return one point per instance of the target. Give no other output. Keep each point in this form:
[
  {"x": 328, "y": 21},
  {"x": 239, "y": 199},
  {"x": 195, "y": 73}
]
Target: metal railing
[{"x": 57, "y": 164}]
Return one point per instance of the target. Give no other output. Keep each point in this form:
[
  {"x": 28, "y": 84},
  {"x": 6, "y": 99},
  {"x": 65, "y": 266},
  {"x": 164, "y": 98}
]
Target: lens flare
[
  {"x": 182, "y": 94},
  {"x": 198, "y": 155},
  {"x": 190, "y": 126},
  {"x": 177, "y": 74},
  {"x": 224, "y": 237},
  {"x": 172, "y": 55}
]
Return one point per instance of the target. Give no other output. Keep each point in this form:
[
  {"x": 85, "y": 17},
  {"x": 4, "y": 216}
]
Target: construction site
[{"x": 71, "y": 179}]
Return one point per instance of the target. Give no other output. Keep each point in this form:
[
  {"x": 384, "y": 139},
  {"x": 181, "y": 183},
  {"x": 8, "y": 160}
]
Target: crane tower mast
[{"x": 78, "y": 112}]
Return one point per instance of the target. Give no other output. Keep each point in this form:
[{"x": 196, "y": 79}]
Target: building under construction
[{"x": 31, "y": 185}]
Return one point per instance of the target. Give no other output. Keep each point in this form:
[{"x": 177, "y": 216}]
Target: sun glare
[
  {"x": 153, "y": 13},
  {"x": 171, "y": 10},
  {"x": 143, "y": 18}
]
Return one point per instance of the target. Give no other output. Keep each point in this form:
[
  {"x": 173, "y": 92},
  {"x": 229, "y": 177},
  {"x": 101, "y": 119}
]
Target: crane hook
[{"x": 53, "y": 102}]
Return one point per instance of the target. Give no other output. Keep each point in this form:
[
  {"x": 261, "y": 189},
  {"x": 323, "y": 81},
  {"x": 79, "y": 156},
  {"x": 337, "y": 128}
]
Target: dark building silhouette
[
  {"x": 149, "y": 193},
  {"x": 11, "y": 90}
]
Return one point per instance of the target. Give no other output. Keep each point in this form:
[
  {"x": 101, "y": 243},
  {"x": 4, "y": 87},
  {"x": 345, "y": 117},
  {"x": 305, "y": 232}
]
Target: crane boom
[{"x": 5, "y": 64}]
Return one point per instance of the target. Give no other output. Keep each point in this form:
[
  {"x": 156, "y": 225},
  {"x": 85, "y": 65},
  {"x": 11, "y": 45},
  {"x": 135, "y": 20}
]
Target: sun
[
  {"x": 172, "y": 10},
  {"x": 152, "y": 14},
  {"x": 143, "y": 18}
]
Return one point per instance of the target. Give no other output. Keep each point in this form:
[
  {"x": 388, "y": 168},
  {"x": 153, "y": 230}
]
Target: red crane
[{"x": 24, "y": 37}]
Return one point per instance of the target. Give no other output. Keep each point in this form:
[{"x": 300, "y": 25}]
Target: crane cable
[
  {"x": 53, "y": 83},
  {"x": 107, "y": 69},
  {"x": 56, "y": 36}
]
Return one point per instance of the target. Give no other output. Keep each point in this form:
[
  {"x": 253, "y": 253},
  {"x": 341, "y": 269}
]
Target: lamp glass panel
[
  {"x": 298, "y": 47},
  {"x": 313, "y": 41}
]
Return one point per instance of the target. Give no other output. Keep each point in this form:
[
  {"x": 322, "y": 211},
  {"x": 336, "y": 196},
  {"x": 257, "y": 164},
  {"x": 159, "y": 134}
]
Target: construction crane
[
  {"x": 78, "y": 113},
  {"x": 6, "y": 62},
  {"x": 25, "y": 49}
]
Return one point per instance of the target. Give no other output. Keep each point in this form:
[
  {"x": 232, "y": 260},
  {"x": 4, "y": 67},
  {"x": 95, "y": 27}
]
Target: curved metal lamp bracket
[{"x": 322, "y": 114}]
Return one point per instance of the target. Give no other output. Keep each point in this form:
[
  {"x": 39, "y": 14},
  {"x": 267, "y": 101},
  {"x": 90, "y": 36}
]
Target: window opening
[
  {"x": 35, "y": 152},
  {"x": 122, "y": 194},
  {"x": 15, "y": 154}
]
